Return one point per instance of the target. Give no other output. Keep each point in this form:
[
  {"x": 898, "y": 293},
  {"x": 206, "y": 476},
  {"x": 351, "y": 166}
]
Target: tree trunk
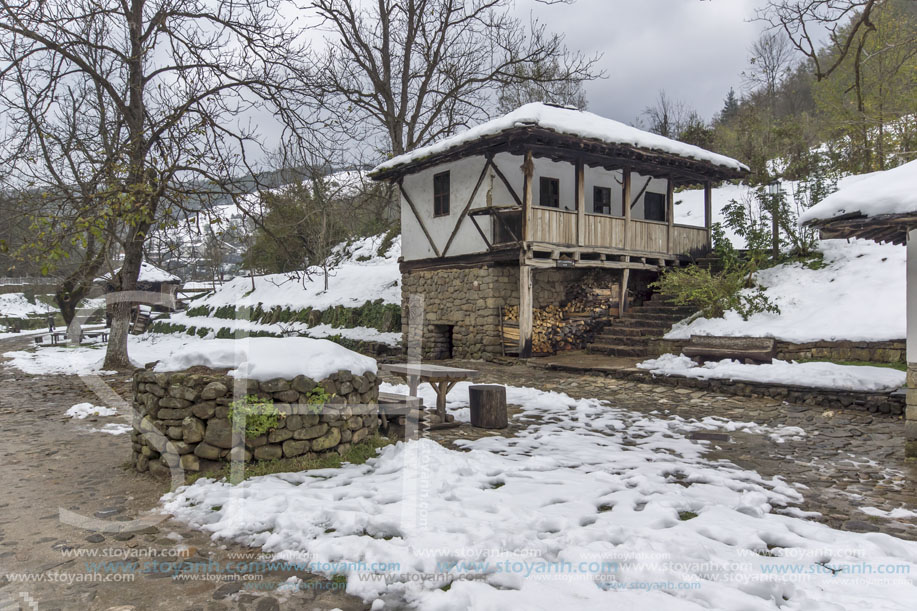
[
  {"x": 116, "y": 356},
  {"x": 66, "y": 300}
]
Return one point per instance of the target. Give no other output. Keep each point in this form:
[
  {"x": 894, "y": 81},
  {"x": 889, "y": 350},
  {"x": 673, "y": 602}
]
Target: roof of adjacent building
[
  {"x": 150, "y": 273},
  {"x": 569, "y": 122}
]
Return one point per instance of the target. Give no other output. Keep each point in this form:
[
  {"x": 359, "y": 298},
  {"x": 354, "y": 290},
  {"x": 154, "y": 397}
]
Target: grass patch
[
  {"x": 357, "y": 455},
  {"x": 686, "y": 515},
  {"x": 898, "y": 366}
]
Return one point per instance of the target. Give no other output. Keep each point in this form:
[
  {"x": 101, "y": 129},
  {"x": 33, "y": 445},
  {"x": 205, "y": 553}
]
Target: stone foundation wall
[
  {"x": 873, "y": 352},
  {"x": 469, "y": 300},
  {"x": 182, "y": 419}
]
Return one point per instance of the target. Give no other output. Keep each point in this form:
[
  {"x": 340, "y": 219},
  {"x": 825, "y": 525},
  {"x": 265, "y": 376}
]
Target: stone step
[
  {"x": 642, "y": 315},
  {"x": 630, "y": 332},
  {"x": 642, "y": 324}
]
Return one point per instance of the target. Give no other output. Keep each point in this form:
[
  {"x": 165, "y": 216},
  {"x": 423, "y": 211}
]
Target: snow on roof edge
[
  {"x": 567, "y": 121},
  {"x": 886, "y": 192}
]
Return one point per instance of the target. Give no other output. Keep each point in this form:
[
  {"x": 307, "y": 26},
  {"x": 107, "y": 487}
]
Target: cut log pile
[{"x": 568, "y": 327}]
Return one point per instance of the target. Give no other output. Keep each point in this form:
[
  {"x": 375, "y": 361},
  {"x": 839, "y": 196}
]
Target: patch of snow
[
  {"x": 533, "y": 518},
  {"x": 15, "y": 305},
  {"x": 897, "y": 513},
  {"x": 114, "y": 428},
  {"x": 265, "y": 358},
  {"x": 85, "y": 410},
  {"x": 570, "y": 122},
  {"x": 814, "y": 374},
  {"x": 826, "y": 303},
  {"x": 888, "y": 192},
  {"x": 148, "y": 273}
]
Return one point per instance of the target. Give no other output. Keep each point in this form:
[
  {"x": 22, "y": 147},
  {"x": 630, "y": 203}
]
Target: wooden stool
[{"x": 488, "y": 406}]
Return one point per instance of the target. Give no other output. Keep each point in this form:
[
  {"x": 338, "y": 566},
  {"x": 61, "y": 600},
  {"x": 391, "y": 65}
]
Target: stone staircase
[{"x": 630, "y": 335}]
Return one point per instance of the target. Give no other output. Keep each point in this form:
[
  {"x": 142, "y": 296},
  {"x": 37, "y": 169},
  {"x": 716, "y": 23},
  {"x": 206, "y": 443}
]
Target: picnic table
[
  {"x": 58, "y": 337},
  {"x": 440, "y": 377}
]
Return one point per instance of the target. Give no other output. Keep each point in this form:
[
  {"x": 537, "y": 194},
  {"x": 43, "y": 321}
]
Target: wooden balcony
[{"x": 602, "y": 232}]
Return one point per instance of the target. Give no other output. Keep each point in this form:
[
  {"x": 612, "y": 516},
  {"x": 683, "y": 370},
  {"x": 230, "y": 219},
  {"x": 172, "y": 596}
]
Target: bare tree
[
  {"x": 172, "y": 79},
  {"x": 412, "y": 71},
  {"x": 770, "y": 62},
  {"x": 668, "y": 116}
]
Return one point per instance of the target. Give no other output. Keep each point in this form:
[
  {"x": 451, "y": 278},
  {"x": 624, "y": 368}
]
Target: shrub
[
  {"x": 201, "y": 310},
  {"x": 714, "y": 294},
  {"x": 257, "y": 415}
]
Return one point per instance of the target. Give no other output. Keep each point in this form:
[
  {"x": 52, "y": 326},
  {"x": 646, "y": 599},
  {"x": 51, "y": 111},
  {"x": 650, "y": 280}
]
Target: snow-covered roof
[
  {"x": 570, "y": 122},
  {"x": 149, "y": 273},
  {"x": 890, "y": 192}
]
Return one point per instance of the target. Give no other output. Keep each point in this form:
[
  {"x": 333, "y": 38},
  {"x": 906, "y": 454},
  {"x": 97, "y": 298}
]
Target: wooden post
[
  {"x": 626, "y": 202},
  {"x": 525, "y": 310},
  {"x": 528, "y": 169},
  {"x": 580, "y": 203},
  {"x": 622, "y": 298},
  {"x": 670, "y": 214},
  {"x": 708, "y": 212}
]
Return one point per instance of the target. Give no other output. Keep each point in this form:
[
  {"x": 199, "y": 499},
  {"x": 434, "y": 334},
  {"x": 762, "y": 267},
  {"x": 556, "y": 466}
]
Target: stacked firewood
[{"x": 554, "y": 328}]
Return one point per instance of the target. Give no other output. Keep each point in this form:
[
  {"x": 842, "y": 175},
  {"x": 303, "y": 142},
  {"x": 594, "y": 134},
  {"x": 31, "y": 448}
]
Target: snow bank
[
  {"x": 570, "y": 122},
  {"x": 265, "y": 358},
  {"x": 15, "y": 305},
  {"x": 815, "y": 375},
  {"x": 362, "y": 276},
  {"x": 533, "y": 518},
  {"x": 85, "y": 410},
  {"x": 827, "y": 303},
  {"x": 890, "y": 192}
]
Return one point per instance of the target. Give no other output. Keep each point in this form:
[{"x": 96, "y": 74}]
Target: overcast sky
[{"x": 694, "y": 49}]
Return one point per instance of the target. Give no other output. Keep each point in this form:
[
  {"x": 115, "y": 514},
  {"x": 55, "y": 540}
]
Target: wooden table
[{"x": 440, "y": 377}]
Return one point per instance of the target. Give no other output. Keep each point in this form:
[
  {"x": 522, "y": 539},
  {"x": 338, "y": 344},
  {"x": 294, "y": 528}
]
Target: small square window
[
  {"x": 441, "y": 194},
  {"x": 601, "y": 200},
  {"x": 549, "y": 192},
  {"x": 654, "y": 207}
]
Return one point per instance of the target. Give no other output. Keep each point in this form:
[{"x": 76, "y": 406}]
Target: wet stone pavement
[{"x": 55, "y": 466}]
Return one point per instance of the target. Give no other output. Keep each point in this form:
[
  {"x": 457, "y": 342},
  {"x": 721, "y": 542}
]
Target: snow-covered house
[
  {"x": 881, "y": 206},
  {"x": 542, "y": 188},
  {"x": 159, "y": 290}
]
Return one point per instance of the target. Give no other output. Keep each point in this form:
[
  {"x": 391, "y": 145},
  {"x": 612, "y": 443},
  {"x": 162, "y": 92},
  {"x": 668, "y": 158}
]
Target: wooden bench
[
  {"x": 703, "y": 348},
  {"x": 399, "y": 408}
]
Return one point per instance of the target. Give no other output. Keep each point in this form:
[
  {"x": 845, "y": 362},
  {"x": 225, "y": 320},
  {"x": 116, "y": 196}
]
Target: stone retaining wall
[
  {"x": 910, "y": 424},
  {"x": 182, "y": 418},
  {"x": 893, "y": 351},
  {"x": 892, "y": 403}
]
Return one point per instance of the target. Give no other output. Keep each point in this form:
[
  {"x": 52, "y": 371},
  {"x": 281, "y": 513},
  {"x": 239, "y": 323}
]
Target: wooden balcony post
[
  {"x": 670, "y": 214},
  {"x": 525, "y": 309},
  {"x": 528, "y": 169},
  {"x": 626, "y": 203},
  {"x": 580, "y": 203},
  {"x": 708, "y": 212}
]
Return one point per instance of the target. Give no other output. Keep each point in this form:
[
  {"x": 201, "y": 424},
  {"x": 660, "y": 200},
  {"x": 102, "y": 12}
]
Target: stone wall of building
[
  {"x": 462, "y": 306},
  {"x": 182, "y": 419}
]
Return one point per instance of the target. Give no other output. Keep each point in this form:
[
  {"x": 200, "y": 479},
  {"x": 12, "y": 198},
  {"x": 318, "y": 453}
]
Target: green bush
[
  {"x": 201, "y": 310},
  {"x": 256, "y": 415},
  {"x": 714, "y": 294}
]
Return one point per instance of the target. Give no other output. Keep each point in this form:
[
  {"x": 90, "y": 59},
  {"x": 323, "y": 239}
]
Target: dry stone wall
[{"x": 182, "y": 418}]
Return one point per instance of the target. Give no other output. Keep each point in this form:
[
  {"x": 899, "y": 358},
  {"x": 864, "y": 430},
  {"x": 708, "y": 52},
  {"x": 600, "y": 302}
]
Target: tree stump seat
[{"x": 488, "y": 406}]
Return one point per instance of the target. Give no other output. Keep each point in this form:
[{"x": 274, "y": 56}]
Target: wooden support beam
[
  {"x": 670, "y": 214},
  {"x": 708, "y": 212},
  {"x": 626, "y": 199},
  {"x": 622, "y": 299},
  {"x": 580, "y": 203},
  {"x": 525, "y": 310},
  {"x": 417, "y": 216},
  {"x": 528, "y": 169}
]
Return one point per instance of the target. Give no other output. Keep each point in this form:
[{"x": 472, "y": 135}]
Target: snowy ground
[
  {"x": 815, "y": 375},
  {"x": 591, "y": 506},
  {"x": 362, "y": 276},
  {"x": 826, "y": 303}
]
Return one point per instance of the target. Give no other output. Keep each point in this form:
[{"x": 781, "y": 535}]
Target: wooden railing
[{"x": 552, "y": 226}]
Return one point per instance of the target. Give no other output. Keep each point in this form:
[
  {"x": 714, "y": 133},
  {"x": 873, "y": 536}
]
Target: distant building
[{"x": 514, "y": 212}]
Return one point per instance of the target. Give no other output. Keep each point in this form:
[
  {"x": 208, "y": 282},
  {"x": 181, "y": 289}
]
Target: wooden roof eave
[
  {"x": 881, "y": 227},
  {"x": 561, "y": 147}
]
